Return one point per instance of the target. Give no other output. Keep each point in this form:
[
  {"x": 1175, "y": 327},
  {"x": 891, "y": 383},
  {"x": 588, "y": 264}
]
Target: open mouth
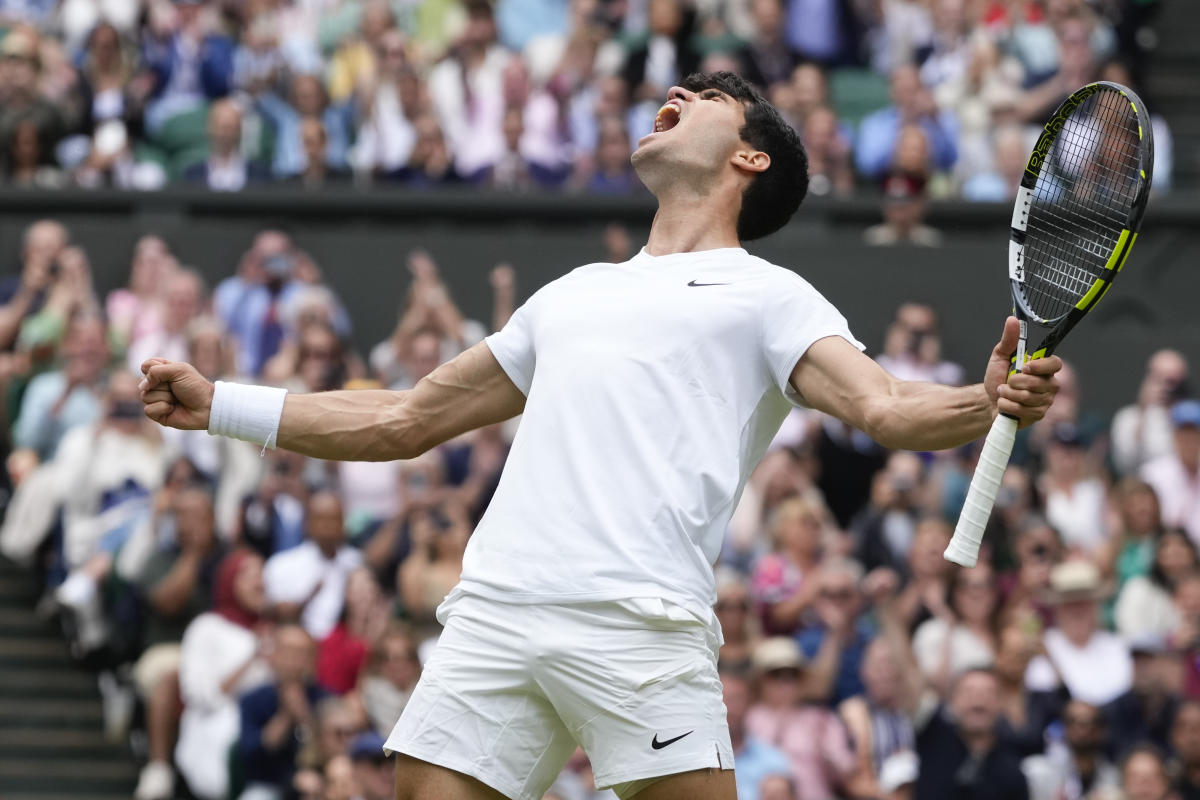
[{"x": 667, "y": 118}]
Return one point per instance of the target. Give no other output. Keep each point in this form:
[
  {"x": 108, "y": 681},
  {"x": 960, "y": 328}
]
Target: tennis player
[{"x": 650, "y": 389}]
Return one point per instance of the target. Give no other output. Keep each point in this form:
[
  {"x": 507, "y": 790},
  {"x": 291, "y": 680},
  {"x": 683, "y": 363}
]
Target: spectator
[
  {"x": 1024, "y": 715},
  {"x": 1145, "y": 605},
  {"x": 226, "y": 169},
  {"x": 739, "y": 627},
  {"x": 768, "y": 58},
  {"x": 1185, "y": 742},
  {"x": 431, "y": 163},
  {"x": 784, "y": 580},
  {"x": 1146, "y": 712},
  {"x": 272, "y": 517},
  {"x": 391, "y": 103},
  {"x": 1027, "y": 592},
  {"x": 22, "y": 295},
  {"x": 394, "y": 673},
  {"x": 961, "y": 753},
  {"x": 23, "y": 109},
  {"x": 318, "y": 172},
  {"x": 963, "y": 635},
  {"x": 904, "y": 205},
  {"x": 135, "y": 310},
  {"x": 912, "y": 104},
  {"x": 829, "y": 168},
  {"x": 434, "y": 564},
  {"x": 928, "y": 585},
  {"x": 219, "y": 659},
  {"x": 374, "y": 772},
  {"x": 912, "y": 348},
  {"x": 613, "y": 173},
  {"x": 1174, "y": 476},
  {"x": 190, "y": 61},
  {"x": 467, "y": 93},
  {"x": 665, "y": 55},
  {"x": 278, "y": 716},
  {"x": 183, "y": 299},
  {"x": 1077, "y": 766},
  {"x": 755, "y": 759},
  {"x": 57, "y": 401},
  {"x": 342, "y": 655},
  {"x": 107, "y": 473},
  {"x": 810, "y": 735},
  {"x": 883, "y": 531},
  {"x": 1132, "y": 552},
  {"x": 1076, "y": 643},
  {"x": 998, "y": 183},
  {"x": 1143, "y": 431},
  {"x": 835, "y": 644},
  {"x": 1144, "y": 775},
  {"x": 308, "y": 106},
  {"x": 880, "y": 720},
  {"x": 307, "y": 584},
  {"x": 177, "y": 585},
  {"x": 824, "y": 31},
  {"x": 1075, "y": 502}
]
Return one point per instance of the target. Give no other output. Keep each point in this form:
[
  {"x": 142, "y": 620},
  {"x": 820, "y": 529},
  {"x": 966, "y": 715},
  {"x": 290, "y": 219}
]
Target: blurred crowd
[
  {"x": 917, "y": 97},
  {"x": 258, "y": 620}
]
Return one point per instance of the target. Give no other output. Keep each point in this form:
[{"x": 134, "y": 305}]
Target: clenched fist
[{"x": 175, "y": 394}]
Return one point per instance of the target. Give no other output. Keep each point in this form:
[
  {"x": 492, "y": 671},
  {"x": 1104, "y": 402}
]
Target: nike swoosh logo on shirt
[
  {"x": 693, "y": 283},
  {"x": 655, "y": 743}
]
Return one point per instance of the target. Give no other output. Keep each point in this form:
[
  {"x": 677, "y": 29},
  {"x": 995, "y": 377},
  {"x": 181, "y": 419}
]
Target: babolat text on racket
[{"x": 1076, "y": 218}]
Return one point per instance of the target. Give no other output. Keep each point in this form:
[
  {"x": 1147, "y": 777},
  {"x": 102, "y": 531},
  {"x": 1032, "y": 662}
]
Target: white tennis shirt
[{"x": 654, "y": 387}]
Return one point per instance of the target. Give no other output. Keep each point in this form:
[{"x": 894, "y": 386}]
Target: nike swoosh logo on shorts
[
  {"x": 693, "y": 283},
  {"x": 657, "y": 745}
]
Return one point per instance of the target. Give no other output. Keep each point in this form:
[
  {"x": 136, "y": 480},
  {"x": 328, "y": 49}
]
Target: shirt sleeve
[
  {"x": 794, "y": 315},
  {"x": 513, "y": 345}
]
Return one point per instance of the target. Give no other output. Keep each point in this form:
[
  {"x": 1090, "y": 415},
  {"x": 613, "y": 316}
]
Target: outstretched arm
[
  {"x": 834, "y": 377},
  {"x": 468, "y": 392}
]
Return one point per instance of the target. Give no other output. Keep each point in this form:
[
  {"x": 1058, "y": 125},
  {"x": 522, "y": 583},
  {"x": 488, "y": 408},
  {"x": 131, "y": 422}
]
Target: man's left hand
[{"x": 1027, "y": 395}]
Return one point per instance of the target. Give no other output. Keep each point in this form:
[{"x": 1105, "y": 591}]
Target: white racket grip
[{"x": 968, "y": 535}]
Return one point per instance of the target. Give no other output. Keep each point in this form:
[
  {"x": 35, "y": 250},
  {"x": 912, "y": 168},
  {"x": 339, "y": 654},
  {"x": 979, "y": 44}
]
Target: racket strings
[{"x": 1081, "y": 201}]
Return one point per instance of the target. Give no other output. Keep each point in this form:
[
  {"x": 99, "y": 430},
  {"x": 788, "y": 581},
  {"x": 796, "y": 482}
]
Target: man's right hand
[{"x": 175, "y": 394}]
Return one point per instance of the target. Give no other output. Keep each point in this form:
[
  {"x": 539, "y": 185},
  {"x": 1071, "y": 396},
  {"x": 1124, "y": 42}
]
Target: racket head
[{"x": 1079, "y": 207}]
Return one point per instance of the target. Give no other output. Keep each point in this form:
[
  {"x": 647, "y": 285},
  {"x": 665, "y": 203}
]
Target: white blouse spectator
[
  {"x": 1142, "y": 431},
  {"x": 1176, "y": 477},
  {"x": 308, "y": 582},
  {"x": 1076, "y": 644}
]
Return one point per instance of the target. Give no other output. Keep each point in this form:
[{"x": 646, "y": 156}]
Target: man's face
[
  {"x": 695, "y": 136},
  {"x": 324, "y": 521},
  {"x": 1084, "y": 727},
  {"x": 293, "y": 658},
  {"x": 975, "y": 703}
]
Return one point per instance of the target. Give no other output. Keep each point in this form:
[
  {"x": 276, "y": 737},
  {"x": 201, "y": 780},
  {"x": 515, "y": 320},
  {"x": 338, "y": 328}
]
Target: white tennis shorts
[{"x": 511, "y": 689}]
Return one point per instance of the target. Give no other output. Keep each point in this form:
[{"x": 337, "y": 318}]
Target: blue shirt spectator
[
  {"x": 190, "y": 66},
  {"x": 308, "y": 99},
  {"x": 911, "y": 105}
]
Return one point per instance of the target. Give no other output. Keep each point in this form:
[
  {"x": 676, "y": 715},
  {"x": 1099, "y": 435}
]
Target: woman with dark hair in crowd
[
  {"x": 963, "y": 633},
  {"x": 1037, "y": 549},
  {"x": 1145, "y": 604},
  {"x": 1132, "y": 551},
  {"x": 1024, "y": 715},
  {"x": 221, "y": 657},
  {"x": 439, "y": 539}
]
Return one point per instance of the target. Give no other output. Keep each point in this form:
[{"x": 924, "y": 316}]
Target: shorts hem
[
  {"x": 716, "y": 760},
  {"x": 464, "y": 767}
]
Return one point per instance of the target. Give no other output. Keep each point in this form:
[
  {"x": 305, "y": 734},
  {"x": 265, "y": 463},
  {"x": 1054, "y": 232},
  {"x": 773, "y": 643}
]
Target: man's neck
[
  {"x": 979, "y": 743},
  {"x": 690, "y": 223}
]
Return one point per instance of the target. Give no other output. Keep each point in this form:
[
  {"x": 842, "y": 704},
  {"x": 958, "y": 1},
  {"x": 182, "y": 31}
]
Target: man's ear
[{"x": 751, "y": 160}]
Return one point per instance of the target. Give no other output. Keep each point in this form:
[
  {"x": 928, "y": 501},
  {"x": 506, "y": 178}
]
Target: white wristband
[{"x": 249, "y": 413}]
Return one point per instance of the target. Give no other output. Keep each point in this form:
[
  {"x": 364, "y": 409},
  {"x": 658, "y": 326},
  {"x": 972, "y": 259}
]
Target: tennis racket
[{"x": 1076, "y": 218}]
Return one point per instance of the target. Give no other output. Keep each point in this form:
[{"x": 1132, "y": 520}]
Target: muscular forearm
[
  {"x": 370, "y": 425},
  {"x": 929, "y": 416}
]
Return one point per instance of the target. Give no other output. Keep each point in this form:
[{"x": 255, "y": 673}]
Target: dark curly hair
[{"x": 774, "y": 195}]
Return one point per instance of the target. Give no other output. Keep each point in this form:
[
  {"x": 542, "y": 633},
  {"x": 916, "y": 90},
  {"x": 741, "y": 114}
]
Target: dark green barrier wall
[{"x": 360, "y": 241}]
